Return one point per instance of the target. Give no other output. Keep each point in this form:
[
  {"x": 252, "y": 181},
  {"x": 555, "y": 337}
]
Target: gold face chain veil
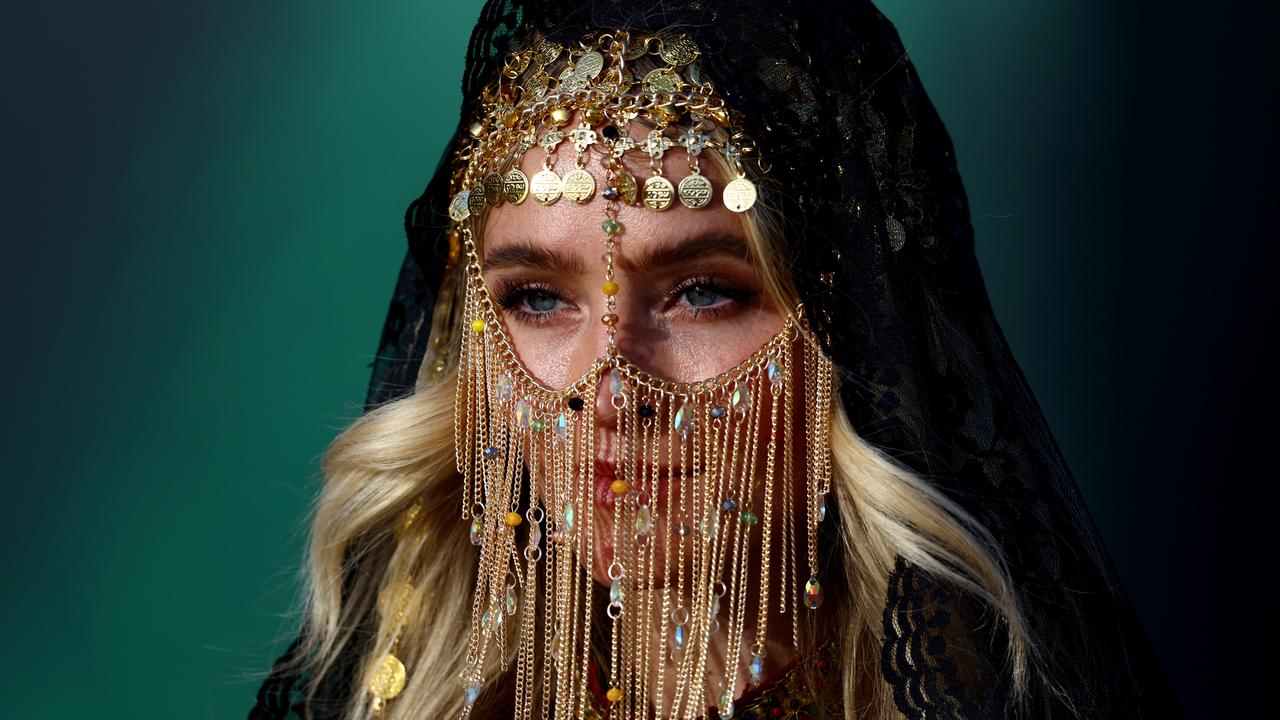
[{"x": 707, "y": 473}]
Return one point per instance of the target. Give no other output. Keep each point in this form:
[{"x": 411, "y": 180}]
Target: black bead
[
  {"x": 610, "y": 132},
  {"x": 611, "y": 193},
  {"x": 645, "y": 411},
  {"x": 576, "y": 404}
]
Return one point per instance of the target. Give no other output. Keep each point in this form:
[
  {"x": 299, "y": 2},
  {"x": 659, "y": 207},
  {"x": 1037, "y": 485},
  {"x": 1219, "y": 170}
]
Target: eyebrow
[{"x": 527, "y": 254}]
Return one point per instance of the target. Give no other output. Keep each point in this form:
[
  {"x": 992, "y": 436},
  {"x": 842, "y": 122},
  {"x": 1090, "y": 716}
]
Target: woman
[{"x": 691, "y": 402}]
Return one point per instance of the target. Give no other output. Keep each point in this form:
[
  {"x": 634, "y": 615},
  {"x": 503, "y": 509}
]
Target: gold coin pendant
[
  {"x": 658, "y": 193},
  {"x": 739, "y": 195},
  {"x": 695, "y": 191},
  {"x": 389, "y": 681},
  {"x": 475, "y": 199},
  {"x": 626, "y": 185},
  {"x": 546, "y": 186},
  {"x": 579, "y": 185},
  {"x": 515, "y": 186},
  {"x": 458, "y": 209},
  {"x": 493, "y": 188}
]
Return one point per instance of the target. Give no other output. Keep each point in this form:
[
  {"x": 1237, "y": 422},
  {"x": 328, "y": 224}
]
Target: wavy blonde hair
[{"x": 403, "y": 451}]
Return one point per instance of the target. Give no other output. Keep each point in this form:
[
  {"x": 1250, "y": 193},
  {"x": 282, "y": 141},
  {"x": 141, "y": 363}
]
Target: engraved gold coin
[
  {"x": 518, "y": 63},
  {"x": 547, "y": 51},
  {"x": 695, "y": 191},
  {"x": 545, "y": 187},
  {"x": 570, "y": 81},
  {"x": 458, "y": 209},
  {"x": 739, "y": 195},
  {"x": 662, "y": 80},
  {"x": 678, "y": 50},
  {"x": 475, "y": 199},
  {"x": 493, "y": 188},
  {"x": 388, "y": 682},
  {"x": 578, "y": 185},
  {"x": 515, "y": 186},
  {"x": 589, "y": 65},
  {"x": 658, "y": 193},
  {"x": 636, "y": 49},
  {"x": 626, "y": 185}
]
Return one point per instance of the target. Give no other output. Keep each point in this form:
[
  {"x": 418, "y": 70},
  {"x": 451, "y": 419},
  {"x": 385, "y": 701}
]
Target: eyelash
[{"x": 511, "y": 294}]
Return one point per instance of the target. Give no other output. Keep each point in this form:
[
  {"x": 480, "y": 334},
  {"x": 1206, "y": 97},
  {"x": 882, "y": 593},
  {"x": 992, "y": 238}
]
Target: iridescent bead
[
  {"x": 504, "y": 388},
  {"x": 678, "y": 636},
  {"x": 568, "y": 518},
  {"x": 561, "y": 425},
  {"x": 616, "y": 593},
  {"x": 680, "y": 422},
  {"x": 774, "y": 372},
  {"x": 749, "y": 518},
  {"x": 644, "y": 521},
  {"x": 611, "y": 226},
  {"x": 719, "y": 411},
  {"x": 477, "y": 530},
  {"x": 822, "y": 511},
  {"x": 524, "y": 413},
  {"x": 535, "y": 535},
  {"x": 471, "y": 694},
  {"x": 512, "y": 601},
  {"x": 615, "y": 382},
  {"x": 740, "y": 398},
  {"x": 726, "y": 706},
  {"x": 755, "y": 669},
  {"x": 813, "y": 594}
]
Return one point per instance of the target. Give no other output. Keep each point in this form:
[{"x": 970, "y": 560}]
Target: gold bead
[
  {"x": 619, "y": 487},
  {"x": 513, "y": 519},
  {"x": 614, "y": 694},
  {"x": 611, "y": 288},
  {"x": 664, "y": 114},
  {"x": 477, "y": 129},
  {"x": 609, "y": 319},
  {"x": 593, "y": 115},
  {"x": 560, "y": 116},
  {"x": 477, "y": 325}
]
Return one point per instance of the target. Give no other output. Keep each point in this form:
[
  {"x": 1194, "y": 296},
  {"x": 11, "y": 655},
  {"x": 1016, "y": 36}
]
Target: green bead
[
  {"x": 611, "y": 226},
  {"x": 749, "y": 518}
]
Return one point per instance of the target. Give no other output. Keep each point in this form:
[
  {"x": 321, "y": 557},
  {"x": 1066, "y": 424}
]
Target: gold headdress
[{"x": 706, "y": 471}]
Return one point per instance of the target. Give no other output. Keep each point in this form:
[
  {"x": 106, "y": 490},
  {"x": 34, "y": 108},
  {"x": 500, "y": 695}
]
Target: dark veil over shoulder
[{"x": 877, "y": 225}]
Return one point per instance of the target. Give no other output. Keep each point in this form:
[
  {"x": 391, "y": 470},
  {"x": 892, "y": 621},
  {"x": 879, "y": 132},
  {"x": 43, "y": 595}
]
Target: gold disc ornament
[
  {"x": 739, "y": 195},
  {"x": 695, "y": 191},
  {"x": 578, "y": 185},
  {"x": 658, "y": 193},
  {"x": 476, "y": 199},
  {"x": 515, "y": 186},
  {"x": 546, "y": 186},
  {"x": 389, "y": 681},
  {"x": 493, "y": 188},
  {"x": 458, "y": 210}
]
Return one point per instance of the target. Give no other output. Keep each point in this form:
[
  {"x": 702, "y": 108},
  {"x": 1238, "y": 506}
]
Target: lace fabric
[{"x": 877, "y": 224}]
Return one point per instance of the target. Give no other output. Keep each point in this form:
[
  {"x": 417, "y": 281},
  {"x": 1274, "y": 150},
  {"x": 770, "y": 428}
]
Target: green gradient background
[{"x": 207, "y": 225}]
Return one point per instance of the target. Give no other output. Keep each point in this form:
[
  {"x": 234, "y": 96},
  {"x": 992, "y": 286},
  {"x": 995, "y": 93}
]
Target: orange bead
[
  {"x": 614, "y": 694},
  {"x": 619, "y": 487},
  {"x": 611, "y": 288},
  {"x": 513, "y": 519},
  {"x": 609, "y": 319}
]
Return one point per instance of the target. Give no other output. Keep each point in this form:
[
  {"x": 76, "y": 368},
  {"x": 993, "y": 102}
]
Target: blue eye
[
  {"x": 702, "y": 296},
  {"x": 540, "y": 302}
]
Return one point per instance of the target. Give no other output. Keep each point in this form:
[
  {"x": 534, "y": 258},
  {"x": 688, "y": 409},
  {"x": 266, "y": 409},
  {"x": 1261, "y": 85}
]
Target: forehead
[{"x": 568, "y": 226}]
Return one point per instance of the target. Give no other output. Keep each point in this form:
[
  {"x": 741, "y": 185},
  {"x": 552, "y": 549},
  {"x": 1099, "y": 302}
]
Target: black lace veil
[{"x": 877, "y": 226}]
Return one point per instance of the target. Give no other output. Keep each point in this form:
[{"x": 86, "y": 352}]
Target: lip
[{"x": 606, "y": 471}]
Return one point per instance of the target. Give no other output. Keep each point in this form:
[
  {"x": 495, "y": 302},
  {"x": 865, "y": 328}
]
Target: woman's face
[{"x": 691, "y": 303}]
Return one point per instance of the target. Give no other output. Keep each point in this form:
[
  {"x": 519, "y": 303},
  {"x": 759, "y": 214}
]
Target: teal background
[{"x": 203, "y": 208}]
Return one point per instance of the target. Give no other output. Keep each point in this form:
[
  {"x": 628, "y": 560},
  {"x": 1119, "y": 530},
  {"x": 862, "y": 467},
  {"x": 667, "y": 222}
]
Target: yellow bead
[
  {"x": 619, "y": 487},
  {"x": 593, "y": 115},
  {"x": 560, "y": 116},
  {"x": 609, "y": 319},
  {"x": 513, "y": 519},
  {"x": 611, "y": 288},
  {"x": 477, "y": 325},
  {"x": 614, "y": 695}
]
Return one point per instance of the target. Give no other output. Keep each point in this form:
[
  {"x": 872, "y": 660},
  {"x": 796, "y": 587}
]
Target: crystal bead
[
  {"x": 710, "y": 525},
  {"x": 504, "y": 388},
  {"x": 682, "y": 420},
  {"x": 477, "y": 530},
  {"x": 568, "y": 518},
  {"x": 677, "y": 637},
  {"x": 728, "y": 506},
  {"x": 813, "y": 594},
  {"x": 561, "y": 425},
  {"x": 490, "y": 453},
  {"x": 755, "y": 669},
  {"x": 740, "y": 398},
  {"x": 612, "y": 193},
  {"x": 609, "y": 319},
  {"x": 726, "y": 706},
  {"x": 644, "y": 521},
  {"x": 615, "y": 382},
  {"x": 471, "y": 693},
  {"x": 774, "y": 372},
  {"x": 749, "y": 518},
  {"x": 535, "y": 535},
  {"x": 616, "y": 592},
  {"x": 512, "y": 601},
  {"x": 822, "y": 511},
  {"x": 524, "y": 413},
  {"x": 719, "y": 411}
]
